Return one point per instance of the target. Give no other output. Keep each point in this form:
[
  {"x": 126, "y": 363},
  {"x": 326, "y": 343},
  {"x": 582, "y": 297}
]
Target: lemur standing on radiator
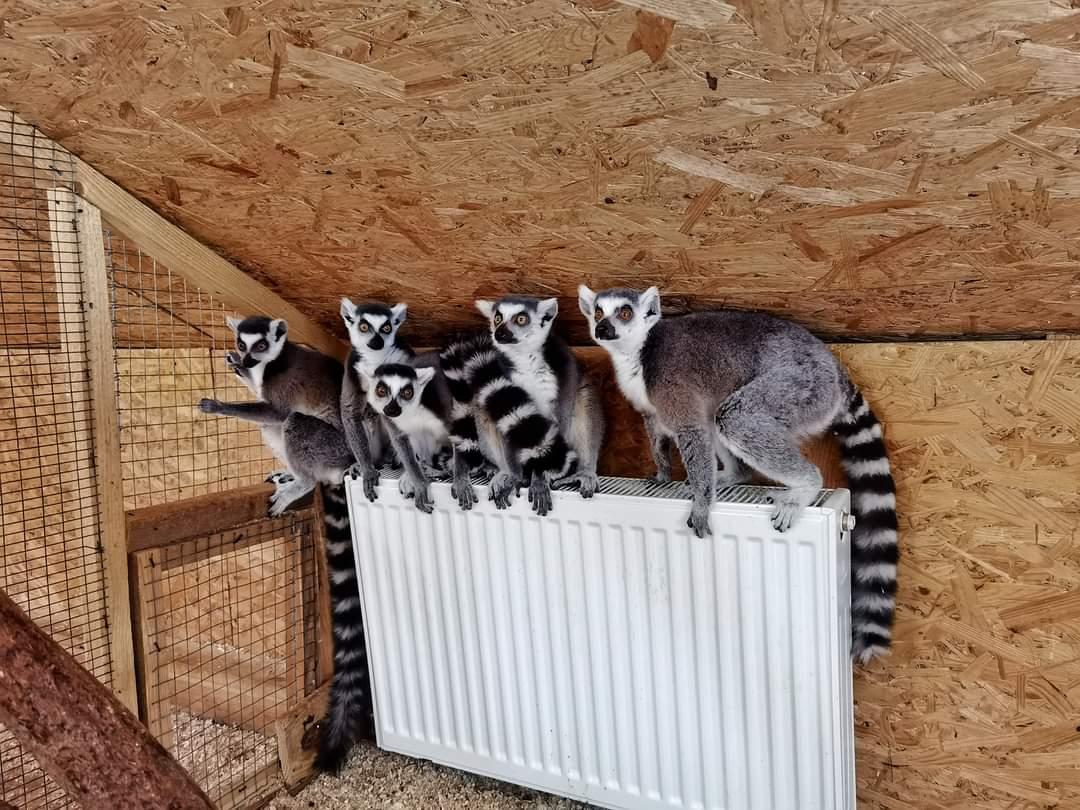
[
  {"x": 750, "y": 388},
  {"x": 496, "y": 418},
  {"x": 299, "y": 390},
  {"x": 542, "y": 363},
  {"x": 417, "y": 404}
]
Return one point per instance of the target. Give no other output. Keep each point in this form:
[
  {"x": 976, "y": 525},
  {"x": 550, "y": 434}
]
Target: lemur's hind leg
[
  {"x": 760, "y": 424},
  {"x": 317, "y": 453},
  {"x": 586, "y": 437},
  {"x": 733, "y": 470}
]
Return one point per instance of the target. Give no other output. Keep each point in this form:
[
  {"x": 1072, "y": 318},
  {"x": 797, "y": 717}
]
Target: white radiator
[{"x": 606, "y": 654}]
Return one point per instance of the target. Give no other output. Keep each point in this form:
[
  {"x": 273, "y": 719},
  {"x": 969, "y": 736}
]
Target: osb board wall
[
  {"x": 977, "y": 707},
  {"x": 885, "y": 168}
]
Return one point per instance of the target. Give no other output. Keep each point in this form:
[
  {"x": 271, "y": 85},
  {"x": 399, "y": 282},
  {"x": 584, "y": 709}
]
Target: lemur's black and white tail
[
  {"x": 875, "y": 550},
  {"x": 479, "y": 377},
  {"x": 351, "y": 716}
]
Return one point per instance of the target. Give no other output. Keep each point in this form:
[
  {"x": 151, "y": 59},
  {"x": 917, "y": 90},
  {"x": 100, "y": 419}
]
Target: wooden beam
[
  {"x": 76, "y": 224},
  {"x": 82, "y": 736},
  {"x": 184, "y": 255},
  {"x": 169, "y": 523},
  {"x": 298, "y": 736}
]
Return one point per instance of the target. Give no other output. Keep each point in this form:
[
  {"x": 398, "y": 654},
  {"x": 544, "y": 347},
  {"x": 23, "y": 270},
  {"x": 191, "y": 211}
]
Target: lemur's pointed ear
[
  {"x": 586, "y": 300},
  {"x": 398, "y": 313},
  {"x": 424, "y": 375},
  {"x": 234, "y": 324},
  {"x": 487, "y": 308},
  {"x": 650, "y": 303},
  {"x": 348, "y": 311},
  {"x": 548, "y": 309},
  {"x": 278, "y": 329}
]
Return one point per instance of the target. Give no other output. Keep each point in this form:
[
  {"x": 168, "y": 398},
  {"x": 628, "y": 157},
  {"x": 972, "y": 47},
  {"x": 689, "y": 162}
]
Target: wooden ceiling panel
[{"x": 867, "y": 168}]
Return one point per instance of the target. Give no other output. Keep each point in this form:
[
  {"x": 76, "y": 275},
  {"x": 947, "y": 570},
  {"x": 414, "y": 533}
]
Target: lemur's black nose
[
  {"x": 375, "y": 343},
  {"x": 392, "y": 408},
  {"x": 504, "y": 335},
  {"x": 604, "y": 330}
]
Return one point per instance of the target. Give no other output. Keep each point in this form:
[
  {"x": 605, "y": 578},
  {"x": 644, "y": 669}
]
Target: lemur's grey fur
[
  {"x": 299, "y": 392},
  {"x": 541, "y": 362},
  {"x": 756, "y": 386},
  {"x": 373, "y": 334},
  {"x": 416, "y": 402}
]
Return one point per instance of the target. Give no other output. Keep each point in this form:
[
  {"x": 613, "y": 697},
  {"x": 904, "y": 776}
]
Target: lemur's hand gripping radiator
[{"x": 606, "y": 654}]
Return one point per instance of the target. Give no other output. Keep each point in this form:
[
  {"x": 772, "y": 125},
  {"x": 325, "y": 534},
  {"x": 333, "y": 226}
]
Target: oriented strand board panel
[
  {"x": 867, "y": 167},
  {"x": 977, "y": 707}
]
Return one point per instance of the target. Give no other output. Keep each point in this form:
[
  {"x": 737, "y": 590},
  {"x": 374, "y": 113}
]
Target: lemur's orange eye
[
  {"x": 364, "y": 327},
  {"x": 407, "y": 393},
  {"x": 625, "y": 313},
  {"x": 521, "y": 319},
  {"x": 497, "y": 319},
  {"x": 380, "y": 390},
  {"x": 386, "y": 329},
  {"x": 598, "y": 314}
]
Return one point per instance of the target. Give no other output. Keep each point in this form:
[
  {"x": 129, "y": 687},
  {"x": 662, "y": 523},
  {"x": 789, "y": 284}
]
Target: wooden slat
[
  {"x": 298, "y": 736},
  {"x": 169, "y": 523},
  {"x": 108, "y": 465}
]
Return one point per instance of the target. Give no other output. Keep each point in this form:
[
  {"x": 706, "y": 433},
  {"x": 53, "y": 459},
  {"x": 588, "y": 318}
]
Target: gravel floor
[{"x": 377, "y": 779}]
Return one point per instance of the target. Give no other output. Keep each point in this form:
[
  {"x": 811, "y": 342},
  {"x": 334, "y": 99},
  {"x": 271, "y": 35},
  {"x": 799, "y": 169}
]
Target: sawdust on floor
[{"x": 378, "y": 780}]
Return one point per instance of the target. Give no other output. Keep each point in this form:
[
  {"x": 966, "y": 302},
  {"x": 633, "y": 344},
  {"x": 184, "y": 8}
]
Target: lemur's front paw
[
  {"x": 788, "y": 505},
  {"x": 406, "y": 487},
  {"x": 209, "y": 406},
  {"x": 465, "y": 493},
  {"x": 423, "y": 499},
  {"x": 540, "y": 495},
  {"x": 279, "y": 477},
  {"x": 503, "y": 489},
  {"x": 699, "y": 520},
  {"x": 370, "y": 477},
  {"x": 587, "y": 483}
]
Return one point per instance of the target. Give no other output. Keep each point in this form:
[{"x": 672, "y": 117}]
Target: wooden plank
[
  {"x": 169, "y": 523},
  {"x": 155, "y": 713},
  {"x": 78, "y": 731},
  {"x": 191, "y": 259},
  {"x": 107, "y": 461},
  {"x": 298, "y": 736}
]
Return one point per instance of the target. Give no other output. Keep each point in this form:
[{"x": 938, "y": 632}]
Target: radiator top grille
[{"x": 644, "y": 488}]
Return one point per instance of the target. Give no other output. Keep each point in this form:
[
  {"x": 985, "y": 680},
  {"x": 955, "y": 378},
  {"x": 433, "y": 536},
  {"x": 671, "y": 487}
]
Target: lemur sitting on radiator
[{"x": 750, "y": 388}]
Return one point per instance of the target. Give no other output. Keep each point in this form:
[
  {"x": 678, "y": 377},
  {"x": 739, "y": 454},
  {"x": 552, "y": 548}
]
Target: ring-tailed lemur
[
  {"x": 416, "y": 401},
  {"x": 753, "y": 387},
  {"x": 298, "y": 390},
  {"x": 373, "y": 334},
  {"x": 499, "y": 419},
  {"x": 542, "y": 363}
]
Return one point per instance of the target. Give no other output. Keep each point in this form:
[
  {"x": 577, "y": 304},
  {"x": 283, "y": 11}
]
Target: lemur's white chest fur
[
  {"x": 425, "y": 430},
  {"x": 532, "y": 373},
  {"x": 631, "y": 378},
  {"x": 255, "y": 379}
]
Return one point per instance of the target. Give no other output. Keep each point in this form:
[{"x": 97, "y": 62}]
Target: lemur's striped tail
[
  {"x": 874, "y": 547},
  {"x": 478, "y": 375},
  {"x": 463, "y": 432},
  {"x": 350, "y": 716}
]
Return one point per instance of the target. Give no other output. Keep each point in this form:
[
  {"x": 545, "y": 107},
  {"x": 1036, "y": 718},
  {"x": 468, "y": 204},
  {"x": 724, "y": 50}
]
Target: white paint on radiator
[{"x": 606, "y": 654}]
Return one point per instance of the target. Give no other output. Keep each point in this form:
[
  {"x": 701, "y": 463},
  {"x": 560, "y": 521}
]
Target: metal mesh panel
[
  {"x": 50, "y": 561},
  {"x": 171, "y": 340},
  {"x": 228, "y": 626}
]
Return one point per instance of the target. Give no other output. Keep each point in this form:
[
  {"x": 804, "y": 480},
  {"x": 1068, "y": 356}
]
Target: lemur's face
[
  {"x": 519, "y": 324},
  {"x": 258, "y": 339},
  {"x": 620, "y": 319},
  {"x": 395, "y": 389},
  {"x": 372, "y": 327}
]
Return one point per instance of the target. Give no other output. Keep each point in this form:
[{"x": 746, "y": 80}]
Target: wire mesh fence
[
  {"x": 50, "y": 558},
  {"x": 171, "y": 339},
  {"x": 228, "y": 626}
]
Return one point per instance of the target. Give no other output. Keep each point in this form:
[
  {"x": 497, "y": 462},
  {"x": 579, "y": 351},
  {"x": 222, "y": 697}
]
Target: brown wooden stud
[
  {"x": 298, "y": 736},
  {"x": 78, "y": 731}
]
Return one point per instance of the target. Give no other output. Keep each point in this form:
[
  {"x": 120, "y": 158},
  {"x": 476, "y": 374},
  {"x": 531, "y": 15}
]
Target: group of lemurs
[{"x": 734, "y": 391}]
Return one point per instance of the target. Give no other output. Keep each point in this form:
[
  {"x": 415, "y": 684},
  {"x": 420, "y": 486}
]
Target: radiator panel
[{"x": 606, "y": 654}]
